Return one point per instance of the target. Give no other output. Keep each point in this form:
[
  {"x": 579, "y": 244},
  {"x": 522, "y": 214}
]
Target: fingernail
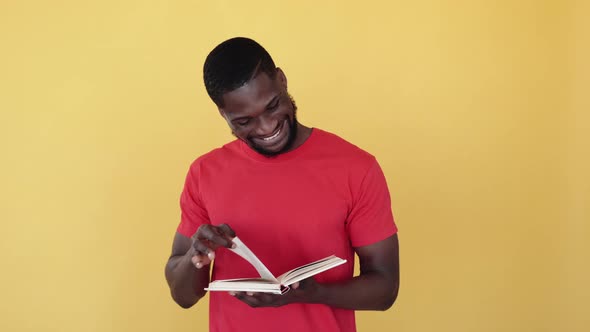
[
  {"x": 249, "y": 293},
  {"x": 233, "y": 246},
  {"x": 211, "y": 255},
  {"x": 232, "y": 293},
  {"x": 199, "y": 265}
]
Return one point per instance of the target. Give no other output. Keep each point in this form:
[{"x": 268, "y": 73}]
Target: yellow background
[{"x": 477, "y": 110}]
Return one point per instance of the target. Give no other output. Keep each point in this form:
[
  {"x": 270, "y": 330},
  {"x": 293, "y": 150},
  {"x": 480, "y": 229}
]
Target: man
[{"x": 293, "y": 195}]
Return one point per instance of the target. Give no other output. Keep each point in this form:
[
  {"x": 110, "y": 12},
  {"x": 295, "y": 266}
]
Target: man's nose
[{"x": 266, "y": 126}]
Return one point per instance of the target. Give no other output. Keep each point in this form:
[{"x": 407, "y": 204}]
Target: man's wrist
[{"x": 317, "y": 294}]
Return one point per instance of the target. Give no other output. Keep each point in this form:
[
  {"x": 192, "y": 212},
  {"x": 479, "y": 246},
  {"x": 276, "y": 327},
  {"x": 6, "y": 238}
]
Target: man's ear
[{"x": 282, "y": 78}]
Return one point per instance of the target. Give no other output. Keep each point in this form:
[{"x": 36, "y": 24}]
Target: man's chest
[{"x": 278, "y": 200}]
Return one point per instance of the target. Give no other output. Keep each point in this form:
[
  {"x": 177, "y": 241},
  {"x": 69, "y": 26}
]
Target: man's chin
[
  {"x": 286, "y": 147},
  {"x": 266, "y": 152},
  {"x": 275, "y": 152}
]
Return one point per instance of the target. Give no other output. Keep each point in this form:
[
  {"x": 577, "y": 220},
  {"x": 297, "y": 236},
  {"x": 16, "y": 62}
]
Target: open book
[{"x": 268, "y": 283}]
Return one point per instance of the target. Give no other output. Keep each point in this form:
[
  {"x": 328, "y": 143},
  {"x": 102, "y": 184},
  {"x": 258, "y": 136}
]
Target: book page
[
  {"x": 248, "y": 255},
  {"x": 309, "y": 270},
  {"x": 246, "y": 287},
  {"x": 305, "y": 268},
  {"x": 245, "y": 280}
]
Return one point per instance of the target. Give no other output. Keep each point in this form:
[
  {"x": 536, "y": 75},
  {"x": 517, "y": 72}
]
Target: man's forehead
[{"x": 257, "y": 92}]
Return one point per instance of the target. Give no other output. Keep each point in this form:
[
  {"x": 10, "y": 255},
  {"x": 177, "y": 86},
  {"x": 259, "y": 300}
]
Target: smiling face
[{"x": 262, "y": 114}]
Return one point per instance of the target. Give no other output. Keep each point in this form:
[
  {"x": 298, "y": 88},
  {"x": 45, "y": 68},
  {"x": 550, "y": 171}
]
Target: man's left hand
[{"x": 300, "y": 292}]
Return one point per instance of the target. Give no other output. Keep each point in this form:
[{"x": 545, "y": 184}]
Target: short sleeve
[
  {"x": 193, "y": 213},
  {"x": 370, "y": 219}
]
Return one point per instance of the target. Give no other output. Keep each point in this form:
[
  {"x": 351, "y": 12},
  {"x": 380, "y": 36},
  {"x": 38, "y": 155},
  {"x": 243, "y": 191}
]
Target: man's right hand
[{"x": 206, "y": 240}]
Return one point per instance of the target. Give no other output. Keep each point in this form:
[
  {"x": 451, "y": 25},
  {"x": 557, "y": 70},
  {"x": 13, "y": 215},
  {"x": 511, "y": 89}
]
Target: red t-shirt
[{"x": 323, "y": 198}]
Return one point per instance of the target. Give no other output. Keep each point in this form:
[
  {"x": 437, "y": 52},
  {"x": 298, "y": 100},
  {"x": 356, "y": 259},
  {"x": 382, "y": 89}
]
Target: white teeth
[{"x": 272, "y": 137}]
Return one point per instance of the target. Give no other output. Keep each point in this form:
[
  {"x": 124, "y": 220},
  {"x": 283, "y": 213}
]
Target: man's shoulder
[
  {"x": 225, "y": 154},
  {"x": 336, "y": 146}
]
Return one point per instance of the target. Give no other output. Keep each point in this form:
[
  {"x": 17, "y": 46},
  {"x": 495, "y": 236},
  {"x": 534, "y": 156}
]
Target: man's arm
[
  {"x": 187, "y": 270},
  {"x": 186, "y": 282},
  {"x": 377, "y": 285},
  {"x": 375, "y": 288}
]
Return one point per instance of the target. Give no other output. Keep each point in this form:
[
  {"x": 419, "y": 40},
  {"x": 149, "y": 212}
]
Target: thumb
[{"x": 295, "y": 285}]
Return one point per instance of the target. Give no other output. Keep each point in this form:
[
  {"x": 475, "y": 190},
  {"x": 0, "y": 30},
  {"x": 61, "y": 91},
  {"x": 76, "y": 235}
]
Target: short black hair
[{"x": 232, "y": 64}]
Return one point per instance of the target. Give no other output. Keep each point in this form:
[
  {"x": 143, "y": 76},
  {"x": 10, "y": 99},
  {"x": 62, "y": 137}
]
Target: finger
[
  {"x": 245, "y": 295},
  {"x": 295, "y": 285},
  {"x": 214, "y": 236},
  {"x": 201, "y": 247},
  {"x": 255, "y": 299},
  {"x": 199, "y": 261},
  {"x": 227, "y": 230},
  {"x": 268, "y": 300},
  {"x": 251, "y": 301}
]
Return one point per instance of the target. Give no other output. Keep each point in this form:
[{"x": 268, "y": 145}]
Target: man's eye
[{"x": 243, "y": 122}]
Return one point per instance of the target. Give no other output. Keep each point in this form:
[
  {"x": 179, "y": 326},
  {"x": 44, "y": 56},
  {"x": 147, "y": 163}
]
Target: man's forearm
[
  {"x": 186, "y": 282},
  {"x": 371, "y": 291}
]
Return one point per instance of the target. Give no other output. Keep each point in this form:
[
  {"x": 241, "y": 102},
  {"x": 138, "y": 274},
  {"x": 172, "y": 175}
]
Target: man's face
[{"x": 261, "y": 114}]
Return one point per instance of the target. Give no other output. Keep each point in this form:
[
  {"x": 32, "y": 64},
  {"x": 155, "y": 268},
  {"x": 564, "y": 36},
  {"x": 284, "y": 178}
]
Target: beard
[
  {"x": 290, "y": 140},
  {"x": 293, "y": 127}
]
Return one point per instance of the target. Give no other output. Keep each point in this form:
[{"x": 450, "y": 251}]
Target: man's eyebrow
[
  {"x": 268, "y": 105},
  {"x": 272, "y": 101},
  {"x": 240, "y": 118}
]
